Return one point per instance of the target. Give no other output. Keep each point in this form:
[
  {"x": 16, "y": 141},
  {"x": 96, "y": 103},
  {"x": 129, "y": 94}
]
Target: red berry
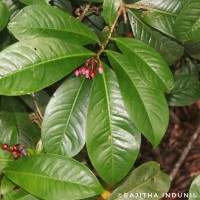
[
  {"x": 15, "y": 154},
  {"x": 4, "y": 146},
  {"x": 15, "y": 148},
  {"x": 11, "y": 149}
]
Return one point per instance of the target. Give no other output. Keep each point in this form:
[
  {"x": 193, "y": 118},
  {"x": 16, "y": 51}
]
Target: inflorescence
[
  {"x": 88, "y": 69},
  {"x": 17, "y": 151}
]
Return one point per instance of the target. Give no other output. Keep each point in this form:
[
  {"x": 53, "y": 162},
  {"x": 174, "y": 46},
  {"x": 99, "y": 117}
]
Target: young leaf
[
  {"x": 4, "y": 15},
  {"x": 110, "y": 8},
  {"x": 147, "y": 107},
  {"x": 187, "y": 26},
  {"x": 56, "y": 175},
  {"x": 63, "y": 128},
  {"x": 14, "y": 114},
  {"x": 169, "y": 49},
  {"x": 147, "y": 63},
  {"x": 30, "y": 65},
  {"x": 112, "y": 140},
  {"x": 161, "y": 14},
  {"x": 47, "y": 21},
  {"x": 185, "y": 91},
  {"x": 146, "y": 179},
  {"x": 195, "y": 189}
]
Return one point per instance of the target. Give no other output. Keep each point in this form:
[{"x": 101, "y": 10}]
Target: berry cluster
[
  {"x": 17, "y": 151},
  {"x": 88, "y": 68}
]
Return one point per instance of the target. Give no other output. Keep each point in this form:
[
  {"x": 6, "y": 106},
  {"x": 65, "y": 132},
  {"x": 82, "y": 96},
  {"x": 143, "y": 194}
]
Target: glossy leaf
[
  {"x": 58, "y": 176},
  {"x": 14, "y": 114},
  {"x": 6, "y": 186},
  {"x": 162, "y": 14},
  {"x": 112, "y": 141},
  {"x": 63, "y": 128},
  {"x": 31, "y": 65},
  {"x": 14, "y": 7},
  {"x": 5, "y": 159},
  {"x": 148, "y": 64},
  {"x": 50, "y": 22},
  {"x": 195, "y": 189},
  {"x": 110, "y": 8},
  {"x": 4, "y": 15},
  {"x": 185, "y": 91},
  {"x": 187, "y": 26},
  {"x": 146, "y": 179},
  {"x": 9, "y": 136},
  {"x": 169, "y": 49},
  {"x": 146, "y": 107}
]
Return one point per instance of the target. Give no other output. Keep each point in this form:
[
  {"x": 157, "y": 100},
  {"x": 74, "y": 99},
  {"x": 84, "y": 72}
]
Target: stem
[
  {"x": 37, "y": 107},
  {"x": 137, "y": 7},
  {"x": 120, "y": 11},
  {"x": 85, "y": 10}
]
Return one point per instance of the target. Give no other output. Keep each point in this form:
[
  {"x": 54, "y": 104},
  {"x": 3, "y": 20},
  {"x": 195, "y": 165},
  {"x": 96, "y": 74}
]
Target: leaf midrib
[
  {"x": 45, "y": 177},
  {"x": 141, "y": 58},
  {"x": 53, "y": 29},
  {"x": 138, "y": 94},
  {"x": 71, "y": 111},
  {"x": 44, "y": 62},
  {"x": 110, "y": 124}
]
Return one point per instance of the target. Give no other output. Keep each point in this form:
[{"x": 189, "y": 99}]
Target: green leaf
[
  {"x": 6, "y": 186},
  {"x": 31, "y": 65},
  {"x": 147, "y": 107},
  {"x": 10, "y": 136},
  {"x": 14, "y": 114},
  {"x": 112, "y": 140},
  {"x": 110, "y": 8},
  {"x": 146, "y": 179},
  {"x": 185, "y": 91},
  {"x": 195, "y": 189},
  {"x": 64, "y": 5},
  {"x": 35, "y": 2},
  {"x": 4, "y": 15},
  {"x": 58, "y": 176},
  {"x": 147, "y": 63},
  {"x": 161, "y": 14},
  {"x": 63, "y": 128},
  {"x": 5, "y": 159},
  {"x": 50, "y": 22},
  {"x": 187, "y": 26},
  {"x": 23, "y": 195},
  {"x": 169, "y": 49},
  {"x": 14, "y": 7}
]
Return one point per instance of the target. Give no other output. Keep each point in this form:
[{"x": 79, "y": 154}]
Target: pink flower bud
[
  {"x": 76, "y": 72},
  {"x": 92, "y": 75},
  {"x": 83, "y": 70},
  {"x": 100, "y": 69}
]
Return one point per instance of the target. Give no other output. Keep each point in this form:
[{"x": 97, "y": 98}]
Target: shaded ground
[{"x": 183, "y": 124}]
